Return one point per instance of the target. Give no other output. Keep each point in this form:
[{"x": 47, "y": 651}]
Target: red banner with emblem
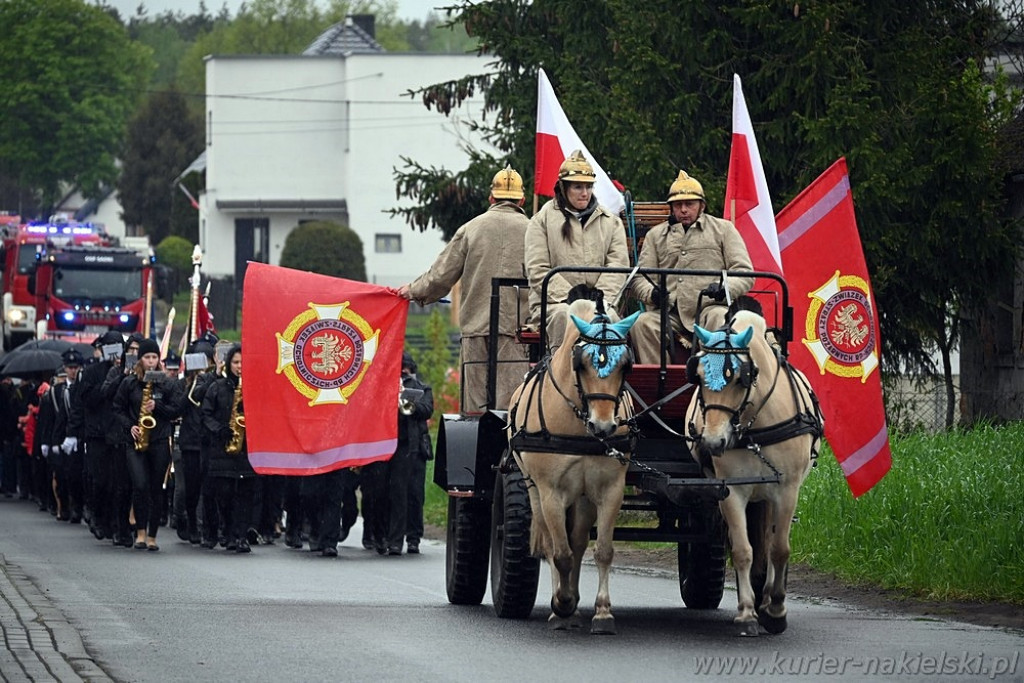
[
  {"x": 836, "y": 341},
  {"x": 321, "y": 372}
]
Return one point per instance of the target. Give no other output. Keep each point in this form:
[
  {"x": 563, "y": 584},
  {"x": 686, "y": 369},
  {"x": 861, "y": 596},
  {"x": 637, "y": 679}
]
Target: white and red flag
[
  {"x": 556, "y": 140},
  {"x": 323, "y": 359},
  {"x": 836, "y": 324},
  {"x": 747, "y": 202}
]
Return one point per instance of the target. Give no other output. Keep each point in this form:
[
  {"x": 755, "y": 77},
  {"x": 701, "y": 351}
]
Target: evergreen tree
[{"x": 163, "y": 139}]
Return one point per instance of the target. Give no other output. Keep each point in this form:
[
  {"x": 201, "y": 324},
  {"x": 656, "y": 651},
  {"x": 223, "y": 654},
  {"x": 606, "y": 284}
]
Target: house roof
[{"x": 343, "y": 38}]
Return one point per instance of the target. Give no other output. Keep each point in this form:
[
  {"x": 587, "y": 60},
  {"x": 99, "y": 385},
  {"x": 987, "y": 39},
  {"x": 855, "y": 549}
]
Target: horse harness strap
[
  {"x": 542, "y": 442},
  {"x": 806, "y": 421}
]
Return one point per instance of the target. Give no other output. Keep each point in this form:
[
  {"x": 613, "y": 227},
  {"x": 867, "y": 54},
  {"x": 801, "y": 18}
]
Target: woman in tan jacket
[{"x": 573, "y": 230}]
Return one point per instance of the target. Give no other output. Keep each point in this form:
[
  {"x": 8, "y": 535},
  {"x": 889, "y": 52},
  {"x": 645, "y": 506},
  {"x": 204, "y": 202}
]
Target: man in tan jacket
[
  {"x": 689, "y": 239},
  {"x": 489, "y": 246}
]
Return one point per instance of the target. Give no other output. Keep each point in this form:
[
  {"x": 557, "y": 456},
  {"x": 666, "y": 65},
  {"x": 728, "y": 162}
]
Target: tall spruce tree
[
  {"x": 163, "y": 139},
  {"x": 897, "y": 89}
]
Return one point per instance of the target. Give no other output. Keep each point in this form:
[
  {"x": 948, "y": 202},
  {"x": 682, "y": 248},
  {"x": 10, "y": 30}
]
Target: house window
[{"x": 387, "y": 243}]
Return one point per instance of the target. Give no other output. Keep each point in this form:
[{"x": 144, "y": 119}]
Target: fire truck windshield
[
  {"x": 26, "y": 258},
  {"x": 72, "y": 284}
]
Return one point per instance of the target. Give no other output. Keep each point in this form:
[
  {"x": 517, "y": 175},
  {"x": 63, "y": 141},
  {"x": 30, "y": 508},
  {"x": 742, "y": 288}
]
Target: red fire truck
[{"x": 68, "y": 275}]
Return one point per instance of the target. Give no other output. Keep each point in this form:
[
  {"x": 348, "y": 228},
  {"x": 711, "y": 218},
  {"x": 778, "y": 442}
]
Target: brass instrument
[
  {"x": 406, "y": 398},
  {"x": 237, "y": 424},
  {"x": 146, "y": 421}
]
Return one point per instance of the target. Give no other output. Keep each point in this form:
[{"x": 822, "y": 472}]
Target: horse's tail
[{"x": 758, "y": 526}]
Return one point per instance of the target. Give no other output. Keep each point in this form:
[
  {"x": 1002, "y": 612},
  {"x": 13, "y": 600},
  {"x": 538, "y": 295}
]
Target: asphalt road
[{"x": 186, "y": 614}]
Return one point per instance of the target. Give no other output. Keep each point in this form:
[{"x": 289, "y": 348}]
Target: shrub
[
  {"x": 176, "y": 252},
  {"x": 326, "y": 248}
]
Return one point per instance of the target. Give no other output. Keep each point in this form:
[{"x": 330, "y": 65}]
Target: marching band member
[
  {"x": 230, "y": 480},
  {"x": 191, "y": 436},
  {"x": 146, "y": 403}
]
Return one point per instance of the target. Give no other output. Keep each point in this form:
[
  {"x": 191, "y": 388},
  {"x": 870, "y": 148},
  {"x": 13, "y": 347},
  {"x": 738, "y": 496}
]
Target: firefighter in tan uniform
[
  {"x": 689, "y": 239},
  {"x": 573, "y": 230},
  {"x": 489, "y": 246}
]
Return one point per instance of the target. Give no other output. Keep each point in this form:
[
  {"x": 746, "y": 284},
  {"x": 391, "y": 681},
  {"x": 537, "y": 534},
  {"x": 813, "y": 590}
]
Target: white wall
[{"x": 308, "y": 129}]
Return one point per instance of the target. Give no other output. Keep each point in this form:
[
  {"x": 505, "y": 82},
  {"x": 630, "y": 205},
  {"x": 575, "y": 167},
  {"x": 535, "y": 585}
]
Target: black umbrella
[
  {"x": 58, "y": 345},
  {"x": 30, "y": 362}
]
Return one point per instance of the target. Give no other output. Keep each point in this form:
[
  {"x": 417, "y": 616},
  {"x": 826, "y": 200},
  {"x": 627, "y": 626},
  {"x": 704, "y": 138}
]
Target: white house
[
  {"x": 104, "y": 211},
  {"x": 317, "y": 136}
]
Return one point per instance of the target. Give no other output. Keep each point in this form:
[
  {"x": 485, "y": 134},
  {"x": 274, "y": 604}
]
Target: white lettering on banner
[
  {"x": 94, "y": 258},
  {"x": 958, "y": 664}
]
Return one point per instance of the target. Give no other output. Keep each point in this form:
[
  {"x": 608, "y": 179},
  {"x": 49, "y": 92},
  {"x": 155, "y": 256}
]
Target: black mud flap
[{"x": 468, "y": 450}]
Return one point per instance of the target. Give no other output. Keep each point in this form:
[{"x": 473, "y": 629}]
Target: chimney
[{"x": 365, "y": 22}]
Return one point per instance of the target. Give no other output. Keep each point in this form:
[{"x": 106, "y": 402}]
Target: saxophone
[
  {"x": 237, "y": 424},
  {"x": 146, "y": 421}
]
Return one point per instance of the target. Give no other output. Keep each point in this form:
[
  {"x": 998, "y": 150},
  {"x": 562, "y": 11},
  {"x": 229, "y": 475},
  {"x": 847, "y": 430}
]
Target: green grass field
[{"x": 946, "y": 523}]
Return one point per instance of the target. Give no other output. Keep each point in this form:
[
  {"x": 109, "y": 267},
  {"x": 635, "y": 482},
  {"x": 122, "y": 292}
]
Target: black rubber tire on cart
[
  {"x": 702, "y": 565},
  {"x": 468, "y": 541},
  {"x": 514, "y": 572}
]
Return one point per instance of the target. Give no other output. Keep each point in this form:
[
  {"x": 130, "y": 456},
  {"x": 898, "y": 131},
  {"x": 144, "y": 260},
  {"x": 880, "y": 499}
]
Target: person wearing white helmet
[
  {"x": 691, "y": 240},
  {"x": 573, "y": 230},
  {"x": 489, "y": 246}
]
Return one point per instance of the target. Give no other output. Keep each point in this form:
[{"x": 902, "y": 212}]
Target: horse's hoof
[
  {"x": 748, "y": 629},
  {"x": 557, "y": 623},
  {"x": 773, "y": 625},
  {"x": 563, "y": 610},
  {"x": 603, "y": 626}
]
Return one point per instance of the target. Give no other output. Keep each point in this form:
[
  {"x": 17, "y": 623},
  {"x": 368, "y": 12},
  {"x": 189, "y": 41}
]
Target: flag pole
[
  {"x": 193, "y": 316},
  {"x": 534, "y": 204},
  {"x": 147, "y": 314}
]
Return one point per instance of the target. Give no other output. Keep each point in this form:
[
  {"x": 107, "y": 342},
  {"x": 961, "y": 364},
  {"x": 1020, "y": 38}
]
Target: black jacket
[
  {"x": 413, "y": 434},
  {"x": 217, "y": 402},
  {"x": 92, "y": 411},
  {"x": 192, "y": 434},
  {"x": 128, "y": 400}
]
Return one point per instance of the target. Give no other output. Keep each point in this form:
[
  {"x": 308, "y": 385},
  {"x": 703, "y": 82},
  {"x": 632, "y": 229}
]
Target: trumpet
[{"x": 407, "y": 398}]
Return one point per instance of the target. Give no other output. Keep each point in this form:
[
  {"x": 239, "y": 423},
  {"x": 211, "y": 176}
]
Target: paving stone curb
[{"x": 39, "y": 642}]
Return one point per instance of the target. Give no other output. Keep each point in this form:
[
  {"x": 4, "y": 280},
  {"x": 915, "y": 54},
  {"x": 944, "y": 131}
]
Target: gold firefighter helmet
[
  {"x": 685, "y": 188},
  {"x": 576, "y": 169},
  {"x": 507, "y": 184}
]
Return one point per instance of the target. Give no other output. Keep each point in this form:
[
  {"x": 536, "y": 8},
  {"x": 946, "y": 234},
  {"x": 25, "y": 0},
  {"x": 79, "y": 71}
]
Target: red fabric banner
[
  {"x": 747, "y": 202},
  {"x": 321, "y": 372},
  {"x": 204, "y": 321},
  {"x": 836, "y": 341}
]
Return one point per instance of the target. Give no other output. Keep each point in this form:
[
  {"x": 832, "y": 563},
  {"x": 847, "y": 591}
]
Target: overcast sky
[{"x": 407, "y": 9}]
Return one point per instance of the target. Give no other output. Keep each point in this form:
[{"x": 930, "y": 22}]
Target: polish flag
[
  {"x": 556, "y": 140},
  {"x": 747, "y": 203}
]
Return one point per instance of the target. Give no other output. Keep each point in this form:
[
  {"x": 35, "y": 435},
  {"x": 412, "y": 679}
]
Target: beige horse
[
  {"x": 756, "y": 422},
  {"x": 565, "y": 429}
]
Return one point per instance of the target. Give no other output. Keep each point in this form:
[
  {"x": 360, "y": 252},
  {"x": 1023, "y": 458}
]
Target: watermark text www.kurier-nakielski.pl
[{"x": 906, "y": 663}]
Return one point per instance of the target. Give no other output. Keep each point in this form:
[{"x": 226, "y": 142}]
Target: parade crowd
[{"x": 127, "y": 442}]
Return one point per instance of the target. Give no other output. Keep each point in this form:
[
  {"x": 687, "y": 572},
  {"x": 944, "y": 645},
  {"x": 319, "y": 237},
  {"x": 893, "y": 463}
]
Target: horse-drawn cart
[{"x": 667, "y": 497}]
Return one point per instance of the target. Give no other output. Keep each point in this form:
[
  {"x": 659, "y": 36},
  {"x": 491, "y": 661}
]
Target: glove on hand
[
  {"x": 46, "y": 450},
  {"x": 69, "y": 445},
  {"x": 715, "y": 291},
  {"x": 657, "y": 294}
]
